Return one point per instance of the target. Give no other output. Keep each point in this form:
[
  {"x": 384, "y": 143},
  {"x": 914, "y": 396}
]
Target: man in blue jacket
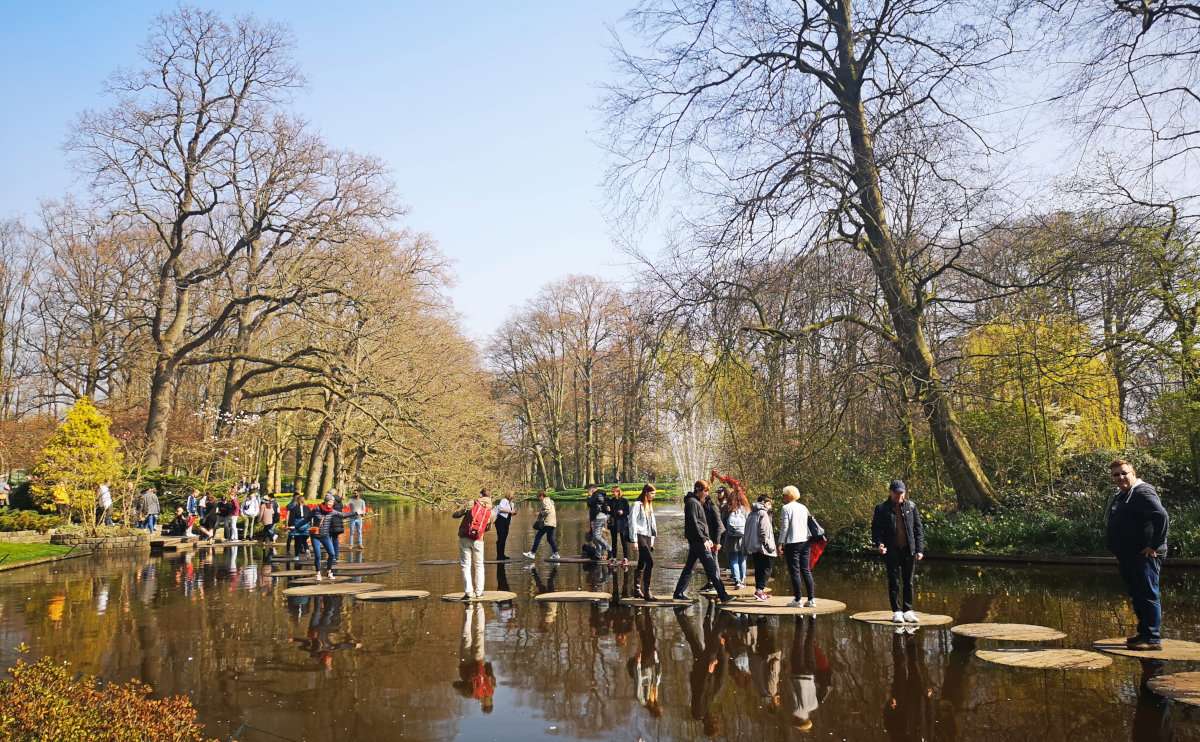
[
  {"x": 898, "y": 535},
  {"x": 1136, "y": 533}
]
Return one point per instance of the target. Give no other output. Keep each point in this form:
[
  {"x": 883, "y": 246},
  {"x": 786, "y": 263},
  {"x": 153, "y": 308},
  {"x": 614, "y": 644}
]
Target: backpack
[
  {"x": 737, "y": 523},
  {"x": 475, "y": 523}
]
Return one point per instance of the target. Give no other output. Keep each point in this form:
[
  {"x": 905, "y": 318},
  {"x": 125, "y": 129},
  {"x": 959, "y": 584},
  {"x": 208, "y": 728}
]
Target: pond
[{"x": 259, "y": 666}]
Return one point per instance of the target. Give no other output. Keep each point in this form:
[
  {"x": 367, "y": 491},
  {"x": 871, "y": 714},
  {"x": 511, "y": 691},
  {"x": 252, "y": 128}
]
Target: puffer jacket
[{"x": 759, "y": 537}]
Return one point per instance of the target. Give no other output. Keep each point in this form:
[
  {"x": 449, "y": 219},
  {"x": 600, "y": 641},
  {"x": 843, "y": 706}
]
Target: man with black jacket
[
  {"x": 700, "y": 544},
  {"x": 1136, "y": 533},
  {"x": 897, "y": 533}
]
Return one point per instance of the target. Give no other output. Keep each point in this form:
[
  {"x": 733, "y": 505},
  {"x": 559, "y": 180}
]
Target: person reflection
[
  {"x": 549, "y": 610},
  {"x": 909, "y": 711},
  {"x": 504, "y": 608},
  {"x": 644, "y": 666},
  {"x": 809, "y": 674},
  {"x": 324, "y": 622},
  {"x": 1152, "y": 716},
  {"x": 475, "y": 677},
  {"x": 708, "y": 668},
  {"x": 766, "y": 662}
]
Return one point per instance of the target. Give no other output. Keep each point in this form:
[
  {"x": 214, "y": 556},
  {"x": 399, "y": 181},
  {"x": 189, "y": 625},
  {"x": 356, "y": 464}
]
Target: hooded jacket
[
  {"x": 759, "y": 537},
  {"x": 695, "y": 520}
]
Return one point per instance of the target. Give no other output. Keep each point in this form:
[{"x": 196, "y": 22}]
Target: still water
[{"x": 259, "y": 666}]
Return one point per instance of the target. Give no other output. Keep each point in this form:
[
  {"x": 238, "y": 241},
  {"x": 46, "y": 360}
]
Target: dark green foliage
[{"x": 28, "y": 520}]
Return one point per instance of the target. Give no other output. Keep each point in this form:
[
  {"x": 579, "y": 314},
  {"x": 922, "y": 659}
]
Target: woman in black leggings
[{"x": 642, "y": 530}]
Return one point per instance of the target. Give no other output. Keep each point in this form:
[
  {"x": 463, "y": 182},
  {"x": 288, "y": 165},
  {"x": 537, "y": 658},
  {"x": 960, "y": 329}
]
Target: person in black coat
[
  {"x": 1136, "y": 532},
  {"x": 700, "y": 544},
  {"x": 897, "y": 533}
]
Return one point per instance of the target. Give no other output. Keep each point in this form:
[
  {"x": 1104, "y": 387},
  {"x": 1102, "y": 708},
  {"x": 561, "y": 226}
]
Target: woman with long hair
[
  {"x": 733, "y": 514},
  {"x": 642, "y": 531}
]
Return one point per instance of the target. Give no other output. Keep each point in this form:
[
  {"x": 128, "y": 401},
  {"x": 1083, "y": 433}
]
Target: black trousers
[
  {"x": 799, "y": 568},
  {"x": 762, "y": 571},
  {"x": 697, "y": 553},
  {"x": 645, "y": 562},
  {"x": 618, "y": 529},
  {"x": 502, "y": 525},
  {"x": 899, "y": 567},
  {"x": 548, "y": 533}
]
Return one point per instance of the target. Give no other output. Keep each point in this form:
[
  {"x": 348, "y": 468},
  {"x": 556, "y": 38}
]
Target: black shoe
[
  {"x": 1144, "y": 645},
  {"x": 677, "y": 596},
  {"x": 727, "y": 598},
  {"x": 1131, "y": 640}
]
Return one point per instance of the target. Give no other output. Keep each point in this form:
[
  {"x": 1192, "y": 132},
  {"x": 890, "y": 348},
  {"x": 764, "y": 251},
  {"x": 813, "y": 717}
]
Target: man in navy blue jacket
[{"x": 1136, "y": 533}]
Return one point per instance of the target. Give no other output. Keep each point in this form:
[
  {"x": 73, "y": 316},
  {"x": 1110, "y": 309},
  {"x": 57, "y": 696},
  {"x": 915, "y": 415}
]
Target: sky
[{"x": 484, "y": 111}]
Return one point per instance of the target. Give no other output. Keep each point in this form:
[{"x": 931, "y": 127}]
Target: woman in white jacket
[
  {"x": 642, "y": 530},
  {"x": 793, "y": 534}
]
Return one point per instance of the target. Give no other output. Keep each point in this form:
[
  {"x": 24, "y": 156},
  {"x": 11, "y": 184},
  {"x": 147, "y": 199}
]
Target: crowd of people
[{"x": 730, "y": 526}]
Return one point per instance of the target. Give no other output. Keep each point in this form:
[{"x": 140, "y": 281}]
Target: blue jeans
[
  {"x": 737, "y": 565},
  {"x": 548, "y": 533},
  {"x": 319, "y": 542},
  {"x": 1141, "y": 582},
  {"x": 356, "y": 523},
  {"x": 151, "y": 522}
]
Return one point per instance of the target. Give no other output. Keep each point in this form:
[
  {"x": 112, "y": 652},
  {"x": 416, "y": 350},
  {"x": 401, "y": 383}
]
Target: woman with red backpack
[{"x": 476, "y": 518}]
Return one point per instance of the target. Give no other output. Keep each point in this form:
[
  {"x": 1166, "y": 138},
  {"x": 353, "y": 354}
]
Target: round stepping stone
[
  {"x": 1046, "y": 659},
  {"x": 325, "y": 588},
  {"x": 663, "y": 603},
  {"x": 351, "y": 566},
  {"x": 572, "y": 596},
  {"x": 388, "y": 595},
  {"x": 884, "y": 618},
  {"x": 454, "y": 562},
  {"x": 1009, "y": 632},
  {"x": 741, "y": 592},
  {"x": 778, "y": 606},
  {"x": 489, "y": 596},
  {"x": 293, "y": 573},
  {"x": 573, "y": 560},
  {"x": 223, "y": 544},
  {"x": 1183, "y": 687},
  {"x": 1172, "y": 649},
  {"x": 338, "y": 579}
]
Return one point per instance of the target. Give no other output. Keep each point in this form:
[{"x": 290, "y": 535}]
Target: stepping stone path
[
  {"x": 663, "y": 603},
  {"x": 1008, "y": 632},
  {"x": 884, "y": 618},
  {"x": 352, "y": 566},
  {"x": 1172, "y": 649},
  {"x": 1046, "y": 659},
  {"x": 1183, "y": 687},
  {"x": 743, "y": 592},
  {"x": 336, "y": 580},
  {"x": 778, "y": 606},
  {"x": 325, "y": 588},
  {"x": 381, "y": 596},
  {"x": 572, "y": 596},
  {"x": 489, "y": 596},
  {"x": 293, "y": 573},
  {"x": 448, "y": 562}
]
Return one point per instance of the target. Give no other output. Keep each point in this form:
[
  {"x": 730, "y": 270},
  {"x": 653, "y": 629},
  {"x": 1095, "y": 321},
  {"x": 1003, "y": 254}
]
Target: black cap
[{"x": 897, "y": 486}]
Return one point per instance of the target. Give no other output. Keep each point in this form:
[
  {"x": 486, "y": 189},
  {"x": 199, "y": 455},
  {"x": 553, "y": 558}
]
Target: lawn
[
  {"x": 14, "y": 553},
  {"x": 665, "y": 491}
]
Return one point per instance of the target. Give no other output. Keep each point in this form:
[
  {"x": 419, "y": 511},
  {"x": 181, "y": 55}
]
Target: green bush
[
  {"x": 46, "y": 701},
  {"x": 28, "y": 520}
]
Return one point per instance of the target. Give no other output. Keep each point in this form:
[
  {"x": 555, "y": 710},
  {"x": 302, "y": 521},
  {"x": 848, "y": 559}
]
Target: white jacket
[
  {"x": 641, "y": 522},
  {"x": 793, "y": 527}
]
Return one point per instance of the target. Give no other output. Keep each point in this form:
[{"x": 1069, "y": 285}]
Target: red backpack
[{"x": 475, "y": 523}]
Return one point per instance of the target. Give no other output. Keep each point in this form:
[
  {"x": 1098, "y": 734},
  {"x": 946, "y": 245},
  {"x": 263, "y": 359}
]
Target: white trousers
[{"x": 470, "y": 558}]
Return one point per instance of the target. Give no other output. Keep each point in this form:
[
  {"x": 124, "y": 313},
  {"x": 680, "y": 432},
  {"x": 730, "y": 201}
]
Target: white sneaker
[
  {"x": 319, "y": 578},
  {"x": 795, "y": 604},
  {"x": 554, "y": 557},
  {"x": 810, "y": 603},
  {"x": 911, "y": 617},
  {"x": 529, "y": 555},
  {"x": 330, "y": 574},
  {"x": 897, "y": 617}
]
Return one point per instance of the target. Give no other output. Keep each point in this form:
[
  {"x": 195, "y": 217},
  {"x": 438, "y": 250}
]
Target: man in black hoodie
[
  {"x": 700, "y": 544},
  {"x": 1137, "y": 536}
]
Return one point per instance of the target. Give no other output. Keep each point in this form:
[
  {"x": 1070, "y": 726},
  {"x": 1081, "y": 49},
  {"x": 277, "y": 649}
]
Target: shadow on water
[{"x": 216, "y": 626}]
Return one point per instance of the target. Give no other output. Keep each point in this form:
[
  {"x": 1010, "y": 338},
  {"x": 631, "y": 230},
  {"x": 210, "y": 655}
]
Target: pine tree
[{"x": 80, "y": 456}]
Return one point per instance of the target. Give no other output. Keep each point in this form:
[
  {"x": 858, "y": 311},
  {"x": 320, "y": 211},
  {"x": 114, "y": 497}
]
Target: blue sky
[{"x": 485, "y": 111}]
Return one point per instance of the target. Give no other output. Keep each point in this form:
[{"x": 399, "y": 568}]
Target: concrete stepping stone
[
  {"x": 489, "y": 596},
  {"x": 572, "y": 596},
  {"x": 380, "y": 596},
  {"x": 884, "y": 618},
  {"x": 326, "y": 588},
  {"x": 1046, "y": 659},
  {"x": 1183, "y": 687},
  {"x": 1008, "y": 632},
  {"x": 1172, "y": 650},
  {"x": 778, "y": 606}
]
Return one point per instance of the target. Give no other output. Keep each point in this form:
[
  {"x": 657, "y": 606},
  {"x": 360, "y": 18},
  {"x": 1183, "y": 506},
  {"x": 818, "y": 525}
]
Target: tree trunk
[
  {"x": 162, "y": 385},
  {"x": 971, "y": 486},
  {"x": 316, "y": 460}
]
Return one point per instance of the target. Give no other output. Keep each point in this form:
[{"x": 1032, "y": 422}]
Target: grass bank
[
  {"x": 666, "y": 491},
  {"x": 17, "y": 553}
]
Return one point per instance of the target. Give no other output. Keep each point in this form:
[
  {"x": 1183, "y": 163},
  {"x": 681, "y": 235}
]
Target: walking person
[
  {"x": 296, "y": 513},
  {"x": 192, "y": 503},
  {"x": 104, "y": 503},
  {"x": 700, "y": 545},
  {"x": 233, "y": 507},
  {"x": 268, "y": 514},
  {"x": 337, "y": 523},
  {"x": 600, "y": 528},
  {"x": 733, "y": 519},
  {"x": 1136, "y": 532},
  {"x": 618, "y": 524},
  {"x": 544, "y": 526},
  {"x": 897, "y": 533},
  {"x": 504, "y": 511},
  {"x": 250, "y": 508},
  {"x": 794, "y": 535},
  {"x": 321, "y": 520},
  {"x": 642, "y": 530},
  {"x": 716, "y": 532},
  {"x": 759, "y": 542},
  {"x": 475, "y": 519},
  {"x": 148, "y": 508},
  {"x": 358, "y": 511}
]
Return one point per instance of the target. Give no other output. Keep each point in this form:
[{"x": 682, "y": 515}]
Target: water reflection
[{"x": 215, "y": 625}]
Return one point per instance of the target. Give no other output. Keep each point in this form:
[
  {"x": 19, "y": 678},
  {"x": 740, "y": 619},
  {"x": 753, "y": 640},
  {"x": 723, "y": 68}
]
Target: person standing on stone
[
  {"x": 643, "y": 529},
  {"x": 700, "y": 544},
  {"x": 618, "y": 524},
  {"x": 897, "y": 533},
  {"x": 759, "y": 543},
  {"x": 358, "y": 511},
  {"x": 794, "y": 536},
  {"x": 475, "y": 519},
  {"x": 544, "y": 526},
  {"x": 503, "y": 513},
  {"x": 149, "y": 509},
  {"x": 1136, "y": 533}
]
